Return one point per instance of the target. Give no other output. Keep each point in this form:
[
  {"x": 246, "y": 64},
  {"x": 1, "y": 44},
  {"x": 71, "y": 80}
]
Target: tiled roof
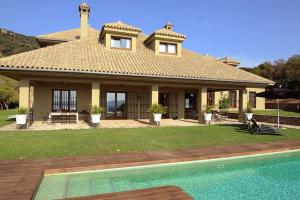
[
  {"x": 88, "y": 55},
  {"x": 121, "y": 26},
  {"x": 68, "y": 35},
  {"x": 170, "y": 33}
]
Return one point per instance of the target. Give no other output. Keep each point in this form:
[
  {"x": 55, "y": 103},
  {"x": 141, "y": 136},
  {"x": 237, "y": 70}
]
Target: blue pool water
[{"x": 272, "y": 176}]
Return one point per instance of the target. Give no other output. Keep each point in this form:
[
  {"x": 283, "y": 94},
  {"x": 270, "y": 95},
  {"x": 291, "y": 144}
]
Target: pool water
[{"x": 269, "y": 176}]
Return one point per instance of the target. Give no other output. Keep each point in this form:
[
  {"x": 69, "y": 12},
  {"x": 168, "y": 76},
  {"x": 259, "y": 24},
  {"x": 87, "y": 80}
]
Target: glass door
[
  {"x": 190, "y": 106},
  {"x": 116, "y": 105}
]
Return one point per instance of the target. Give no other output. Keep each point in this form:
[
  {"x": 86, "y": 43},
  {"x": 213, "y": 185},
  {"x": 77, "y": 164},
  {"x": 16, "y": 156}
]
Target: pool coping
[{"x": 19, "y": 179}]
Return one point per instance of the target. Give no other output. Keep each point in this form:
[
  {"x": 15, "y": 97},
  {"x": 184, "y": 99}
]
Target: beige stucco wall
[
  {"x": 95, "y": 93},
  {"x": 43, "y": 97},
  {"x": 260, "y": 102},
  {"x": 24, "y": 93}
]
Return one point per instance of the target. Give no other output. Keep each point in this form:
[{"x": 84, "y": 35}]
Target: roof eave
[{"x": 246, "y": 83}]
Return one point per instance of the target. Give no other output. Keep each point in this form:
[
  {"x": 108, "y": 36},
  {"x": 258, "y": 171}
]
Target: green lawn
[
  {"x": 4, "y": 116},
  {"x": 40, "y": 144},
  {"x": 273, "y": 112}
]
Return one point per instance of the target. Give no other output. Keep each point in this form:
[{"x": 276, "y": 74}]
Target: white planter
[
  {"x": 95, "y": 118},
  {"x": 157, "y": 117},
  {"x": 21, "y": 119},
  {"x": 249, "y": 116},
  {"x": 207, "y": 116}
]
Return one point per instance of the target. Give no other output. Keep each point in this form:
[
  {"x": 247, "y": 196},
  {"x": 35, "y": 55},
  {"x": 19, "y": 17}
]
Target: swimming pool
[{"x": 267, "y": 176}]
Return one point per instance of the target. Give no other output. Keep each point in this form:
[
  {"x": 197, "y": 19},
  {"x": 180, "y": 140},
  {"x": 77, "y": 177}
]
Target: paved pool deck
[
  {"x": 20, "y": 178},
  {"x": 128, "y": 123}
]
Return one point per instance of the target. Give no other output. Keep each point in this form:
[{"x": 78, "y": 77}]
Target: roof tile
[{"x": 91, "y": 56}]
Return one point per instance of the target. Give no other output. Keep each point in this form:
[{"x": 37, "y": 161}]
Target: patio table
[{"x": 61, "y": 114}]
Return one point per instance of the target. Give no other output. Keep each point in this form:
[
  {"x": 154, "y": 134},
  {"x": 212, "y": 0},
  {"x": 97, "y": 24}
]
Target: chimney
[
  {"x": 84, "y": 10},
  {"x": 168, "y": 26}
]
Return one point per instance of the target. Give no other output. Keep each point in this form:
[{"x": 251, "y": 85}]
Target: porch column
[
  {"x": 181, "y": 97},
  {"x": 154, "y": 100},
  {"x": 202, "y": 101},
  {"x": 24, "y": 92},
  {"x": 95, "y": 93},
  {"x": 154, "y": 94},
  {"x": 242, "y": 104}
]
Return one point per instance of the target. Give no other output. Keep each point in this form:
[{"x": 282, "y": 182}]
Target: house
[
  {"x": 124, "y": 71},
  {"x": 215, "y": 96}
]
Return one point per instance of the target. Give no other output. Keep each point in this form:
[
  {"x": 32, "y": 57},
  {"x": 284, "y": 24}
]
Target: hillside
[{"x": 12, "y": 43}]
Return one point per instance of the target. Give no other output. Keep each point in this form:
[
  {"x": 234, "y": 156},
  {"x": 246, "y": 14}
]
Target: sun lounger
[{"x": 264, "y": 129}]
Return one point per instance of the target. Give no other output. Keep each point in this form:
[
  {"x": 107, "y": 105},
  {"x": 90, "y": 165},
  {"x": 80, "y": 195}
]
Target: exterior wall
[
  {"x": 43, "y": 97},
  {"x": 260, "y": 102}
]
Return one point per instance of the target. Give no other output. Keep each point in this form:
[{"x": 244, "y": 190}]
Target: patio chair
[
  {"x": 264, "y": 129},
  {"x": 224, "y": 115}
]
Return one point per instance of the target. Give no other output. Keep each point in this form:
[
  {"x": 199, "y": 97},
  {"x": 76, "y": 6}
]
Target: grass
[
  {"x": 4, "y": 116},
  {"x": 273, "y": 112},
  {"x": 43, "y": 144}
]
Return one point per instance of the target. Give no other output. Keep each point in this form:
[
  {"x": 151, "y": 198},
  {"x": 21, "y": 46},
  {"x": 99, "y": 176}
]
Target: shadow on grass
[{"x": 238, "y": 128}]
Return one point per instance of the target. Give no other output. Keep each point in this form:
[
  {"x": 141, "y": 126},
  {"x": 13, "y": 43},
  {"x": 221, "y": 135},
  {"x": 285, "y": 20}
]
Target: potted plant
[
  {"x": 208, "y": 113},
  {"x": 21, "y": 116},
  {"x": 249, "y": 112},
  {"x": 96, "y": 114},
  {"x": 157, "y": 110}
]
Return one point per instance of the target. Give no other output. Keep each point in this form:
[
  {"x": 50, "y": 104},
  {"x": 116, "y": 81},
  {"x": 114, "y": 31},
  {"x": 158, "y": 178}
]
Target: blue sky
[{"x": 252, "y": 31}]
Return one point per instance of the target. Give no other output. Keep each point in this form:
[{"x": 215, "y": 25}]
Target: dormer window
[
  {"x": 167, "y": 48},
  {"x": 165, "y": 41},
  {"x": 120, "y": 43}
]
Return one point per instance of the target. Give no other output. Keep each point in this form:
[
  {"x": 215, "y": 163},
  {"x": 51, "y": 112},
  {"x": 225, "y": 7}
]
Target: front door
[{"x": 116, "y": 105}]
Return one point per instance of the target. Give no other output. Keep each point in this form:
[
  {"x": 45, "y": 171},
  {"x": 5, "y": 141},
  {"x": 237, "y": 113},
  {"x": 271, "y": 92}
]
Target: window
[
  {"x": 190, "y": 101},
  {"x": 120, "y": 43},
  {"x": 252, "y": 98},
  {"x": 233, "y": 99},
  {"x": 64, "y": 100},
  {"x": 167, "y": 48}
]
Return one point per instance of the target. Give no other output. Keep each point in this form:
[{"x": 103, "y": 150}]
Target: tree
[
  {"x": 283, "y": 72},
  {"x": 8, "y": 92}
]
